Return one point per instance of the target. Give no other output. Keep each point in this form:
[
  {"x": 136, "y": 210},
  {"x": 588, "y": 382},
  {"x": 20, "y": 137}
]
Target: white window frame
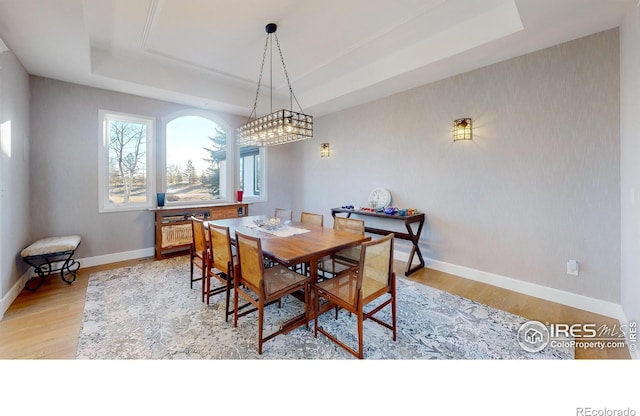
[
  {"x": 263, "y": 177},
  {"x": 104, "y": 116},
  {"x": 231, "y": 156}
]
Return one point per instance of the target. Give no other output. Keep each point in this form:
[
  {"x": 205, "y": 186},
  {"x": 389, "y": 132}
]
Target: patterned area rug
[{"x": 148, "y": 311}]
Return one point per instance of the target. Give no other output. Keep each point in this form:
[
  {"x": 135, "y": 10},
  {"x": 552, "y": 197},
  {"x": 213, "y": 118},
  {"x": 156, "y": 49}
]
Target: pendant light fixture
[{"x": 279, "y": 127}]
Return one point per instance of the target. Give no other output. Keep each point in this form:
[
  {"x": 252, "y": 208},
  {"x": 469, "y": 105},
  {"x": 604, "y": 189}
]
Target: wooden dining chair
[
  {"x": 348, "y": 258},
  {"x": 283, "y": 214},
  {"x": 221, "y": 264},
  {"x": 260, "y": 286},
  {"x": 353, "y": 290},
  {"x": 311, "y": 218},
  {"x": 199, "y": 252}
]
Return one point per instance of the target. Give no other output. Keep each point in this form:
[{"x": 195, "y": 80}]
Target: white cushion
[{"x": 51, "y": 245}]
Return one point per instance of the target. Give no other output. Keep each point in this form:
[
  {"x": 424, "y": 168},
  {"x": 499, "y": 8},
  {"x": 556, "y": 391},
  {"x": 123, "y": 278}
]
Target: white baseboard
[
  {"x": 116, "y": 257},
  {"x": 586, "y": 303},
  {"x": 13, "y": 293}
]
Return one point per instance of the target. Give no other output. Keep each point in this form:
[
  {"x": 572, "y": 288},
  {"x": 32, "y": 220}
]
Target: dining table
[{"x": 292, "y": 244}]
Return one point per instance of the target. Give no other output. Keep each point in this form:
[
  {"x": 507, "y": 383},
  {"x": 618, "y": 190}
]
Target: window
[
  {"x": 197, "y": 166},
  {"x": 196, "y": 161},
  {"x": 126, "y": 162},
  {"x": 251, "y": 171}
]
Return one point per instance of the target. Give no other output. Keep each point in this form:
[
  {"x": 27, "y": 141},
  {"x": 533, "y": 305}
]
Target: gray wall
[
  {"x": 629, "y": 165},
  {"x": 538, "y": 185},
  {"x": 14, "y": 172},
  {"x": 64, "y": 167}
]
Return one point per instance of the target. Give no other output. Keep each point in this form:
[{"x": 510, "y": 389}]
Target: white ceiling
[{"x": 338, "y": 53}]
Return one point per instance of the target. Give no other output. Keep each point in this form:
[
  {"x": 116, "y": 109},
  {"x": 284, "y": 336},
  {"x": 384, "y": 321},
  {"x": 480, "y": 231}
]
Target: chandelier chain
[
  {"x": 286, "y": 74},
  {"x": 264, "y": 57}
]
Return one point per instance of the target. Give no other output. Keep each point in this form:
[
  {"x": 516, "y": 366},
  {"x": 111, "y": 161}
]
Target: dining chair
[
  {"x": 283, "y": 214},
  {"x": 261, "y": 286},
  {"x": 311, "y": 218},
  {"x": 221, "y": 264},
  {"x": 348, "y": 258},
  {"x": 199, "y": 252},
  {"x": 353, "y": 290}
]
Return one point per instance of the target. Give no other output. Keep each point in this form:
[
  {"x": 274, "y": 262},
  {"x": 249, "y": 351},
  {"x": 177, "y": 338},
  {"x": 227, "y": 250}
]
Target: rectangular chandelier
[{"x": 280, "y": 127}]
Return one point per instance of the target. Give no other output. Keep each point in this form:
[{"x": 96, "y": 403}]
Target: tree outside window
[
  {"x": 127, "y": 145},
  {"x": 196, "y": 160},
  {"x": 126, "y": 162}
]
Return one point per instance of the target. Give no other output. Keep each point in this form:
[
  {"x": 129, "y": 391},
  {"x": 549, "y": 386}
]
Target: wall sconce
[
  {"x": 462, "y": 129},
  {"x": 324, "y": 150}
]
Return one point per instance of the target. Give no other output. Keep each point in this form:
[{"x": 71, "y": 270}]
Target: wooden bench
[{"x": 50, "y": 255}]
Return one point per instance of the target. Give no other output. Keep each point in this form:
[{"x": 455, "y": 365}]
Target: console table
[
  {"x": 173, "y": 224},
  {"x": 410, "y": 235}
]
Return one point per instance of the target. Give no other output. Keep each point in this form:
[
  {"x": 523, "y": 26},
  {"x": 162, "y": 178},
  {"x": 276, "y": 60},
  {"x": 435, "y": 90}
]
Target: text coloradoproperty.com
[{"x": 588, "y": 344}]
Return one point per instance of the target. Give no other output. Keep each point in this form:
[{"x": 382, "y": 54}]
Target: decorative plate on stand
[{"x": 379, "y": 199}]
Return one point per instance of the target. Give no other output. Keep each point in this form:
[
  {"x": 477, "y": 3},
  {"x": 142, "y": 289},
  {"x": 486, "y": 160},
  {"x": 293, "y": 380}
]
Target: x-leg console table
[{"x": 410, "y": 235}]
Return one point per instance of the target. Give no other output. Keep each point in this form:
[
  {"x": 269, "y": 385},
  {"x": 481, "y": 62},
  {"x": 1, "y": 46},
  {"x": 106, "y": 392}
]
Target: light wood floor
[{"x": 46, "y": 324}]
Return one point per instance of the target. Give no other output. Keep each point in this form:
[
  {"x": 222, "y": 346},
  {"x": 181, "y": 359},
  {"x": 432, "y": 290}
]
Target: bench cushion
[{"x": 51, "y": 245}]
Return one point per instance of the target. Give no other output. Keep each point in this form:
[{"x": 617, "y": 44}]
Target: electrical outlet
[{"x": 573, "y": 267}]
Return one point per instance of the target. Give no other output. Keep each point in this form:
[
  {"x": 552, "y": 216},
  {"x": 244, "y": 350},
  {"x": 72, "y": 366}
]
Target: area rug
[{"x": 148, "y": 311}]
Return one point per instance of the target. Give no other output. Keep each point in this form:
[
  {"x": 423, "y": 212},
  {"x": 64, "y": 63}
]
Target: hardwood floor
[
  {"x": 526, "y": 306},
  {"x": 46, "y": 324}
]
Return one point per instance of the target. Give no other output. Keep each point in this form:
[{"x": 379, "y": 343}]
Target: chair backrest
[
  {"x": 220, "y": 239},
  {"x": 351, "y": 225},
  {"x": 376, "y": 266},
  {"x": 311, "y": 218},
  {"x": 283, "y": 214},
  {"x": 197, "y": 233},
  {"x": 250, "y": 260}
]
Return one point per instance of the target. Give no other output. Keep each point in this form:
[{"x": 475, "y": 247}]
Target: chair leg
[
  {"x": 316, "y": 311},
  {"x": 208, "y": 290},
  {"x": 191, "y": 274},
  {"x": 360, "y": 340},
  {"x": 307, "y": 298},
  {"x": 203, "y": 287},
  {"x": 393, "y": 310},
  {"x": 235, "y": 305},
  {"x": 204, "y": 273},
  {"x": 226, "y": 311},
  {"x": 260, "y": 324}
]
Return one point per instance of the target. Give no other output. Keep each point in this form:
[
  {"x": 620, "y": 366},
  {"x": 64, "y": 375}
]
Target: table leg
[
  {"x": 415, "y": 249},
  {"x": 302, "y": 318}
]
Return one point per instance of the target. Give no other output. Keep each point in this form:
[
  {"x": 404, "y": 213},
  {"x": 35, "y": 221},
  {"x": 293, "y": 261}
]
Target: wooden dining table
[{"x": 307, "y": 244}]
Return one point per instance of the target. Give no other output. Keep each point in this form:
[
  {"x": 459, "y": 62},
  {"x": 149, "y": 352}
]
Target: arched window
[{"x": 198, "y": 154}]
